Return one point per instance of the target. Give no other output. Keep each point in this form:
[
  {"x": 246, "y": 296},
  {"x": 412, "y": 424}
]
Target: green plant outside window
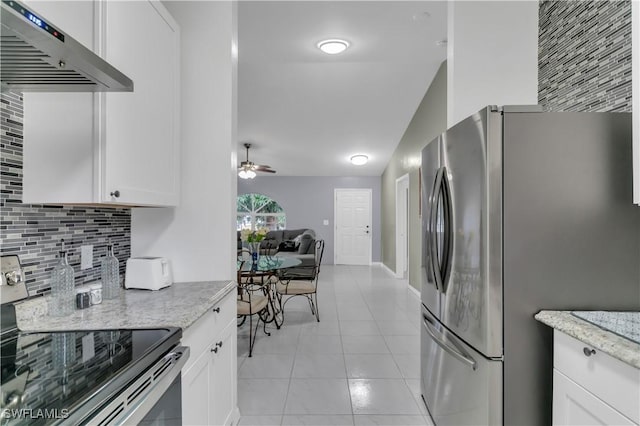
[{"x": 259, "y": 211}]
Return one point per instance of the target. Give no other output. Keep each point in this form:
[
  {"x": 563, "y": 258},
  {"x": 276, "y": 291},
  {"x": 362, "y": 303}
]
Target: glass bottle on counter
[
  {"x": 63, "y": 290},
  {"x": 110, "y": 272}
]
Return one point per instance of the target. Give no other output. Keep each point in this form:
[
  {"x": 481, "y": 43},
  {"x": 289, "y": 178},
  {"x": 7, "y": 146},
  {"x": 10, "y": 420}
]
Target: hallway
[{"x": 360, "y": 365}]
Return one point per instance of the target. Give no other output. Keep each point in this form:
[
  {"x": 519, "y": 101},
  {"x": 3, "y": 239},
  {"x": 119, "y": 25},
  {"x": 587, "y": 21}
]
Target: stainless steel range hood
[{"x": 36, "y": 56}]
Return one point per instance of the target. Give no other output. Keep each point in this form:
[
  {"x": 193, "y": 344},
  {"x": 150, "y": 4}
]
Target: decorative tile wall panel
[{"x": 584, "y": 56}]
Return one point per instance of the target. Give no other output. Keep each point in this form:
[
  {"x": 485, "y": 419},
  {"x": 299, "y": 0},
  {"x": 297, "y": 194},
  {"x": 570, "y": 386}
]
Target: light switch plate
[{"x": 86, "y": 257}]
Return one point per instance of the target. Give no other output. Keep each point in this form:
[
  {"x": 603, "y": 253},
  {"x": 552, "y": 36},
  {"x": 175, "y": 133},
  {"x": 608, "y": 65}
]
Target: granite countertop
[
  {"x": 179, "y": 305},
  {"x": 611, "y": 343}
]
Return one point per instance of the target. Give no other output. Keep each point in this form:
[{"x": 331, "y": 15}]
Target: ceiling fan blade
[
  {"x": 260, "y": 169},
  {"x": 248, "y": 165}
]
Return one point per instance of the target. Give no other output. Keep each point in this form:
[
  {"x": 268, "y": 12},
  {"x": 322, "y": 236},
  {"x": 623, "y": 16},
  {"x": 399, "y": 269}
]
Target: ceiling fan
[{"x": 248, "y": 169}]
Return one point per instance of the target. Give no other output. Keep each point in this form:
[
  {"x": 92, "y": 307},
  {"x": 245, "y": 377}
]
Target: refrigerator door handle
[
  {"x": 456, "y": 352},
  {"x": 447, "y": 246},
  {"x": 433, "y": 220}
]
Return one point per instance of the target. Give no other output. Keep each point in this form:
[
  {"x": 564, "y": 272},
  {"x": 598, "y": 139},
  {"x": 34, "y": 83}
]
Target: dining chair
[
  {"x": 253, "y": 299},
  {"x": 301, "y": 281},
  {"x": 244, "y": 255}
]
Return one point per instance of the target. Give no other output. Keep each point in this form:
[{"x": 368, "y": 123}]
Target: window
[{"x": 259, "y": 211}]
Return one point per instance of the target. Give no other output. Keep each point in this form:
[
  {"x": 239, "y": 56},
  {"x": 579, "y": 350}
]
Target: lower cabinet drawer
[
  {"x": 609, "y": 379},
  {"x": 201, "y": 335}
]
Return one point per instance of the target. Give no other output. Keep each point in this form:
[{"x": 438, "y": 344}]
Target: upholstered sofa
[{"x": 300, "y": 243}]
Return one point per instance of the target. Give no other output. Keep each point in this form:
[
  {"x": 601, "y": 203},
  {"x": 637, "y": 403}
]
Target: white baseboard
[
  {"x": 414, "y": 291},
  {"x": 386, "y": 268}
]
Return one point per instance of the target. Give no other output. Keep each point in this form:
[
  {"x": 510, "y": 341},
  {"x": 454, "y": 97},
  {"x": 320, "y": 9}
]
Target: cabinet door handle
[
  {"x": 115, "y": 193},
  {"x": 219, "y": 344},
  {"x": 216, "y": 310},
  {"x": 214, "y": 350},
  {"x": 589, "y": 352}
]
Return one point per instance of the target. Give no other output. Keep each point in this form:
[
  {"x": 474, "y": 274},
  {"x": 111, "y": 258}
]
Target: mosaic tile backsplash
[
  {"x": 34, "y": 232},
  {"x": 584, "y": 55}
]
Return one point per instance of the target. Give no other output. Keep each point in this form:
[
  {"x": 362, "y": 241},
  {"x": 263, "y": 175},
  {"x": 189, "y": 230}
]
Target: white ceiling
[{"x": 306, "y": 112}]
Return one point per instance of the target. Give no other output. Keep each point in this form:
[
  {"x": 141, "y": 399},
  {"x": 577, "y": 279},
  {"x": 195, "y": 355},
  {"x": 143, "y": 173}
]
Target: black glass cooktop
[{"x": 46, "y": 377}]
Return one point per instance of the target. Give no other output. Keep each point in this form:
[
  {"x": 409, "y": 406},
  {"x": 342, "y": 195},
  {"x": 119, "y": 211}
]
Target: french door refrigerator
[{"x": 522, "y": 210}]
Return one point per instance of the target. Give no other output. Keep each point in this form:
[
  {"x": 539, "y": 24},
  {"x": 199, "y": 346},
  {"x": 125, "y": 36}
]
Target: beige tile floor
[{"x": 359, "y": 366}]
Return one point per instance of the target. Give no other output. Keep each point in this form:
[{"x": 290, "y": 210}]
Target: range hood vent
[{"x": 35, "y": 56}]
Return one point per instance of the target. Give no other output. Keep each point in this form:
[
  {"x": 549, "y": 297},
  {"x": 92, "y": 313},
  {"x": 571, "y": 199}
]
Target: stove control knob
[
  {"x": 13, "y": 399},
  {"x": 13, "y": 277}
]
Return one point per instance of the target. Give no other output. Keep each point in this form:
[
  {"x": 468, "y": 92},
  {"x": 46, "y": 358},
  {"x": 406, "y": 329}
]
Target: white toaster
[{"x": 148, "y": 273}]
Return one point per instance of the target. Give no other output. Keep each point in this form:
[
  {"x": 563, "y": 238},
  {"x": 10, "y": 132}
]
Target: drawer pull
[
  {"x": 219, "y": 344},
  {"x": 214, "y": 350},
  {"x": 216, "y": 310},
  {"x": 589, "y": 352}
]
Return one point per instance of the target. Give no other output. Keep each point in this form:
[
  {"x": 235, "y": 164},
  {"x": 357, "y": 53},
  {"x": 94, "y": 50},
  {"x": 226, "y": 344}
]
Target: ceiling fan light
[
  {"x": 246, "y": 174},
  {"x": 333, "y": 46},
  {"x": 359, "y": 160}
]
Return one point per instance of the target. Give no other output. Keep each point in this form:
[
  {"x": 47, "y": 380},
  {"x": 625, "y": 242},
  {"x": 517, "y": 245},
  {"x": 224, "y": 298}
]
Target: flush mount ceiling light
[
  {"x": 333, "y": 46},
  {"x": 359, "y": 160}
]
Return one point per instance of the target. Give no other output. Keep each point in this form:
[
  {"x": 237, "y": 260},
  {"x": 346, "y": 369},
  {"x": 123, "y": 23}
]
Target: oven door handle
[{"x": 131, "y": 406}]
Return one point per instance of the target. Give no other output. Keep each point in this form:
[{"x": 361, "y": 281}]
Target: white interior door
[
  {"x": 353, "y": 226},
  {"x": 402, "y": 227}
]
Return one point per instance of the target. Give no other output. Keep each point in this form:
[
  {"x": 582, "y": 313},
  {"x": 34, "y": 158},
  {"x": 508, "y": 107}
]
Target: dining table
[{"x": 261, "y": 274}]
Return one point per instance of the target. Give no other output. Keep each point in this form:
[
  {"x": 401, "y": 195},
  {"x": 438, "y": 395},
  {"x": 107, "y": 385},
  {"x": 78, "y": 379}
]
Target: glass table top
[{"x": 270, "y": 263}]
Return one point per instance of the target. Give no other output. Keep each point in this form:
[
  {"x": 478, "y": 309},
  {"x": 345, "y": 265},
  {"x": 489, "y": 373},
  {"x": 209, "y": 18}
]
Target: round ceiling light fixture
[
  {"x": 333, "y": 46},
  {"x": 359, "y": 160}
]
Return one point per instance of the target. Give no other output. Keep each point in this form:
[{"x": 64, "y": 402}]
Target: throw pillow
[
  {"x": 287, "y": 246},
  {"x": 305, "y": 243}
]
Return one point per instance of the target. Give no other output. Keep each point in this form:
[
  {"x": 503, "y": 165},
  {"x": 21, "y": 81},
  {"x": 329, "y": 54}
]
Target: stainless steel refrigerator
[{"x": 522, "y": 210}]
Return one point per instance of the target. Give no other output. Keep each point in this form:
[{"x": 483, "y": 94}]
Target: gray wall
[
  {"x": 428, "y": 122},
  {"x": 33, "y": 231},
  {"x": 308, "y": 200},
  {"x": 584, "y": 55}
]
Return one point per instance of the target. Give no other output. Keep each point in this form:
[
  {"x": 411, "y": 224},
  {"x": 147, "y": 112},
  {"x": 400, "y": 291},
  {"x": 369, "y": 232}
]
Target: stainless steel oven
[{"x": 96, "y": 377}]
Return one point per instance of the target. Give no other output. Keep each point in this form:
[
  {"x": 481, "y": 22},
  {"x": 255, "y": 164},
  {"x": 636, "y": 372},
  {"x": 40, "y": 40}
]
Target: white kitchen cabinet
[
  {"x": 109, "y": 148},
  {"x": 590, "y": 387},
  {"x": 209, "y": 379},
  {"x": 222, "y": 379},
  {"x": 574, "y": 405}
]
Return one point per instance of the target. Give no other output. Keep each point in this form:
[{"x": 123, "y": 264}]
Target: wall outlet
[
  {"x": 325, "y": 222},
  {"x": 86, "y": 257}
]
